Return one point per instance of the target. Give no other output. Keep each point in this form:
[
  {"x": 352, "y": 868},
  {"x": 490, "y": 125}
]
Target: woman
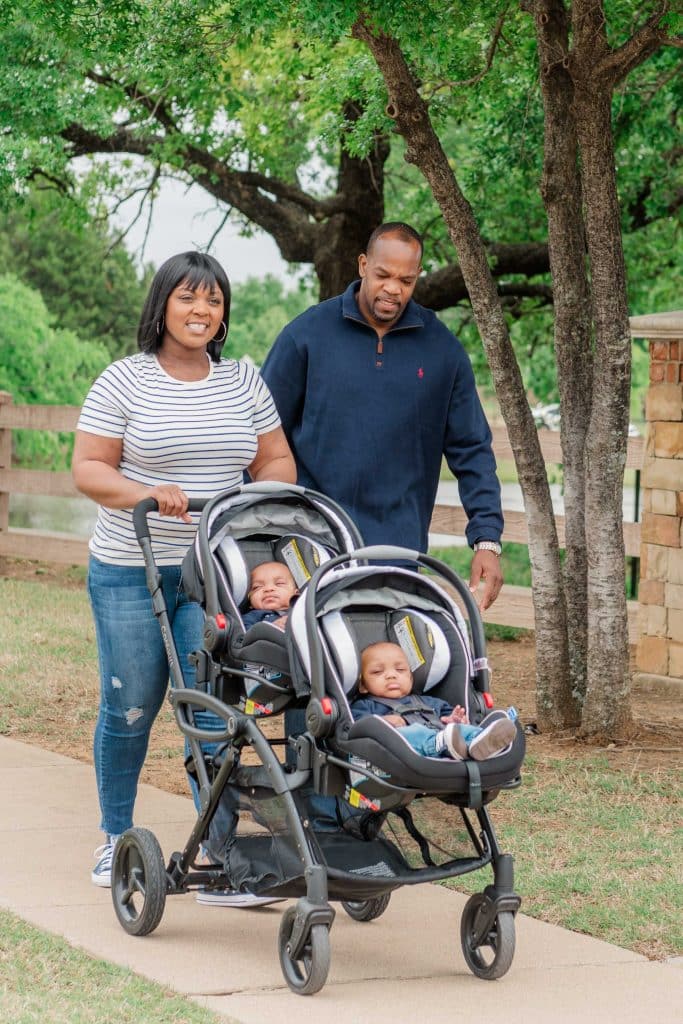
[{"x": 172, "y": 422}]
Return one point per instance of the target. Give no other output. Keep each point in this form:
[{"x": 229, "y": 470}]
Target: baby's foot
[
  {"x": 493, "y": 740},
  {"x": 452, "y": 740}
]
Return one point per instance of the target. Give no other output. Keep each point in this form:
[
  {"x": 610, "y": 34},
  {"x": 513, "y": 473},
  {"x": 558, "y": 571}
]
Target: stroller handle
[{"x": 152, "y": 505}]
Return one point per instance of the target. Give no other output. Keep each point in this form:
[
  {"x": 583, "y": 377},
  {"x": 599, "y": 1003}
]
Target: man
[{"x": 372, "y": 390}]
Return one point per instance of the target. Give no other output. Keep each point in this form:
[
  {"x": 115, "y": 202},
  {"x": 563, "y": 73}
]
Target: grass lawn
[{"x": 42, "y": 978}]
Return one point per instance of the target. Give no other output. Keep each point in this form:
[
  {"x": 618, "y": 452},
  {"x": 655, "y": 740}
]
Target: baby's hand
[
  {"x": 281, "y": 622},
  {"x": 395, "y": 720},
  {"x": 458, "y": 715}
]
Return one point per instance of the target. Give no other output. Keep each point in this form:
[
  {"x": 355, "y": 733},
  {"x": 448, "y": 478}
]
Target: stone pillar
[{"x": 659, "y": 658}]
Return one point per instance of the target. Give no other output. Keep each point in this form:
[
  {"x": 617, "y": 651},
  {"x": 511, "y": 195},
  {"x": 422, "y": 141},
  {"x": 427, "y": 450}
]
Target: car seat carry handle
[
  {"x": 258, "y": 488},
  {"x": 271, "y": 487}
]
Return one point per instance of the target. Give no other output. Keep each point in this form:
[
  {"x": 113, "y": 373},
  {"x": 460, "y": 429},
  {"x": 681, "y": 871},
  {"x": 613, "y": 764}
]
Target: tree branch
[
  {"x": 214, "y": 236},
  {"x": 146, "y": 195},
  {"x": 57, "y": 183},
  {"x": 156, "y": 107},
  {"x": 289, "y": 225},
  {"x": 614, "y": 65},
  {"x": 475, "y": 79},
  {"x": 445, "y": 287},
  {"x": 317, "y": 208},
  {"x": 520, "y": 290}
]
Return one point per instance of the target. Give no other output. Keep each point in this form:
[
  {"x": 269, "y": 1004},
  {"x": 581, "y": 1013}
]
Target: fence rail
[{"x": 513, "y": 608}]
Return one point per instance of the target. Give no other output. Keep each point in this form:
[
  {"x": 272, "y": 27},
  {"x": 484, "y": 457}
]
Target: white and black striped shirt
[{"x": 200, "y": 435}]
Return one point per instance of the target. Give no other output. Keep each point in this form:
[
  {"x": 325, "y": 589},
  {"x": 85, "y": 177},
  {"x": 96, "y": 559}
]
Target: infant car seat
[
  {"x": 258, "y": 523},
  {"x": 369, "y": 604}
]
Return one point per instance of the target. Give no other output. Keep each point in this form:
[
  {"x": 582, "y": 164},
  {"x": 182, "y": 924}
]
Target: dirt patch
[
  {"x": 658, "y": 742},
  {"x": 658, "y": 717},
  {"x": 70, "y": 576}
]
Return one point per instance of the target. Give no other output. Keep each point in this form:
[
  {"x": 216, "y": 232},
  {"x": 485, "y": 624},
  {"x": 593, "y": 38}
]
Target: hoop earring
[
  {"x": 225, "y": 333},
  {"x": 160, "y": 326}
]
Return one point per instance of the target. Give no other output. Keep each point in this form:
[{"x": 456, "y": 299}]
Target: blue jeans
[
  {"x": 134, "y": 676},
  {"x": 423, "y": 739}
]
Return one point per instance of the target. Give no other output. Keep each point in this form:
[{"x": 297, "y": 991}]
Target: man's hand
[{"x": 486, "y": 567}]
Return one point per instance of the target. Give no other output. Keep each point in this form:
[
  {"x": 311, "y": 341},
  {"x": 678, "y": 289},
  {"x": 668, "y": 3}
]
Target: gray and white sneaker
[
  {"x": 232, "y": 898},
  {"x": 453, "y": 741},
  {"x": 494, "y": 739},
  {"x": 101, "y": 873}
]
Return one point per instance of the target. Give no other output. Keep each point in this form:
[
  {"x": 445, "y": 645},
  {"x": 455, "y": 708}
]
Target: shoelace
[{"x": 105, "y": 855}]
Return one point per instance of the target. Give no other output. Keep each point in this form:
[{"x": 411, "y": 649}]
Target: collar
[{"x": 410, "y": 318}]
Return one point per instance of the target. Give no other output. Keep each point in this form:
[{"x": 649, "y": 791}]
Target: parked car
[{"x": 548, "y": 417}]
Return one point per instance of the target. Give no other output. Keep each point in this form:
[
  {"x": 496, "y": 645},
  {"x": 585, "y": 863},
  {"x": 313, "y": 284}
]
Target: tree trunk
[
  {"x": 561, "y": 193},
  {"x": 424, "y": 149},
  {"x": 341, "y": 239},
  {"x": 606, "y": 711}
]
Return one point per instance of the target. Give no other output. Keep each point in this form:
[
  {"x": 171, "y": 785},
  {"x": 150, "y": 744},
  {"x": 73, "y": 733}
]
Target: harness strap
[{"x": 413, "y": 709}]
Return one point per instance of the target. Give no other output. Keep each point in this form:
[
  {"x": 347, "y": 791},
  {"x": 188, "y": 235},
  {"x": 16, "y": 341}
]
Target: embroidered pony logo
[{"x": 420, "y": 373}]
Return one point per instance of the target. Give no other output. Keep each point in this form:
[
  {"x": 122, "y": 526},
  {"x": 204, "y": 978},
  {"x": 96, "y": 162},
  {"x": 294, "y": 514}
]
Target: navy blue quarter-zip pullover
[{"x": 369, "y": 420}]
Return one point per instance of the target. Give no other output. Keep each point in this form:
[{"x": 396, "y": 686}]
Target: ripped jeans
[{"x": 134, "y": 676}]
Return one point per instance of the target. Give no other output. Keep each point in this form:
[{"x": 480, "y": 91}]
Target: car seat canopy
[
  {"x": 245, "y": 528},
  {"x": 250, "y": 529}
]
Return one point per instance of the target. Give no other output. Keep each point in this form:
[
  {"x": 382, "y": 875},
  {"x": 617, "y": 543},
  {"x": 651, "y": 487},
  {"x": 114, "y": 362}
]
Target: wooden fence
[{"x": 513, "y": 607}]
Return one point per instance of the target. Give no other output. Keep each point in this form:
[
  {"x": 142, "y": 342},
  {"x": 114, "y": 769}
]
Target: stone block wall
[{"x": 659, "y": 655}]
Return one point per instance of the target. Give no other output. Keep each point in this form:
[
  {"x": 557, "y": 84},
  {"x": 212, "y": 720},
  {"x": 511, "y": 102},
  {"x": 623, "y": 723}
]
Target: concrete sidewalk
[{"x": 405, "y": 966}]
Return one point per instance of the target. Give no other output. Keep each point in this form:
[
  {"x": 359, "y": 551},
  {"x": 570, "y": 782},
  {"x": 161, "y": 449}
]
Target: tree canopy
[
  {"x": 259, "y": 309},
  {"x": 40, "y": 363},
  {"x": 89, "y": 284},
  {"x": 280, "y": 115}
]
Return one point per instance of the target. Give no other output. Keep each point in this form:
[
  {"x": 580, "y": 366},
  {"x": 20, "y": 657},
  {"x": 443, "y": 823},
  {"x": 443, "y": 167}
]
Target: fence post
[
  {"x": 5, "y": 463},
  {"x": 659, "y": 659}
]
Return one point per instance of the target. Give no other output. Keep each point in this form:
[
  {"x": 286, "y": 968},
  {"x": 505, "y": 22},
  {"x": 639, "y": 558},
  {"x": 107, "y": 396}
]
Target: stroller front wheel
[
  {"x": 138, "y": 881},
  {"x": 306, "y": 974},
  {"x": 488, "y": 949}
]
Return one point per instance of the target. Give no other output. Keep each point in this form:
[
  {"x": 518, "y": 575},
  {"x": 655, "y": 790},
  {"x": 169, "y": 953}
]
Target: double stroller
[{"x": 341, "y": 810}]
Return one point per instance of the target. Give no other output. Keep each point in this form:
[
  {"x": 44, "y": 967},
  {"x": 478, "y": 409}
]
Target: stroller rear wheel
[
  {"x": 138, "y": 881},
  {"x": 306, "y": 974},
  {"x": 488, "y": 949},
  {"x": 366, "y": 910}
]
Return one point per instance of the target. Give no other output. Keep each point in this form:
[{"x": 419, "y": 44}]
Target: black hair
[
  {"x": 197, "y": 269},
  {"x": 396, "y": 227}
]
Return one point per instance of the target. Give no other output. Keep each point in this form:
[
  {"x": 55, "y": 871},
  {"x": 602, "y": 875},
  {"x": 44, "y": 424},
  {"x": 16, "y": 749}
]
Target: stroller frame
[{"x": 141, "y": 879}]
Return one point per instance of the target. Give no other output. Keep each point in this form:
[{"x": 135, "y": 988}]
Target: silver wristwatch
[{"x": 488, "y": 545}]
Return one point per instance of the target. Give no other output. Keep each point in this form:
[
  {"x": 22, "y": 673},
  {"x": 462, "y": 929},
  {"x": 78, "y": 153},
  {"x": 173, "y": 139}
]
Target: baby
[
  {"x": 271, "y": 590},
  {"x": 431, "y": 726}
]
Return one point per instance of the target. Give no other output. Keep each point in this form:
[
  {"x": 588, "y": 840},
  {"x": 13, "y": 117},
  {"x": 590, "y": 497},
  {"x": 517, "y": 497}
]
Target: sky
[{"x": 185, "y": 219}]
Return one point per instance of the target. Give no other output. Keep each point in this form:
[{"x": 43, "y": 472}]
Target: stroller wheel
[
  {"x": 306, "y": 974},
  {"x": 488, "y": 953},
  {"x": 138, "y": 881},
  {"x": 366, "y": 910}
]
